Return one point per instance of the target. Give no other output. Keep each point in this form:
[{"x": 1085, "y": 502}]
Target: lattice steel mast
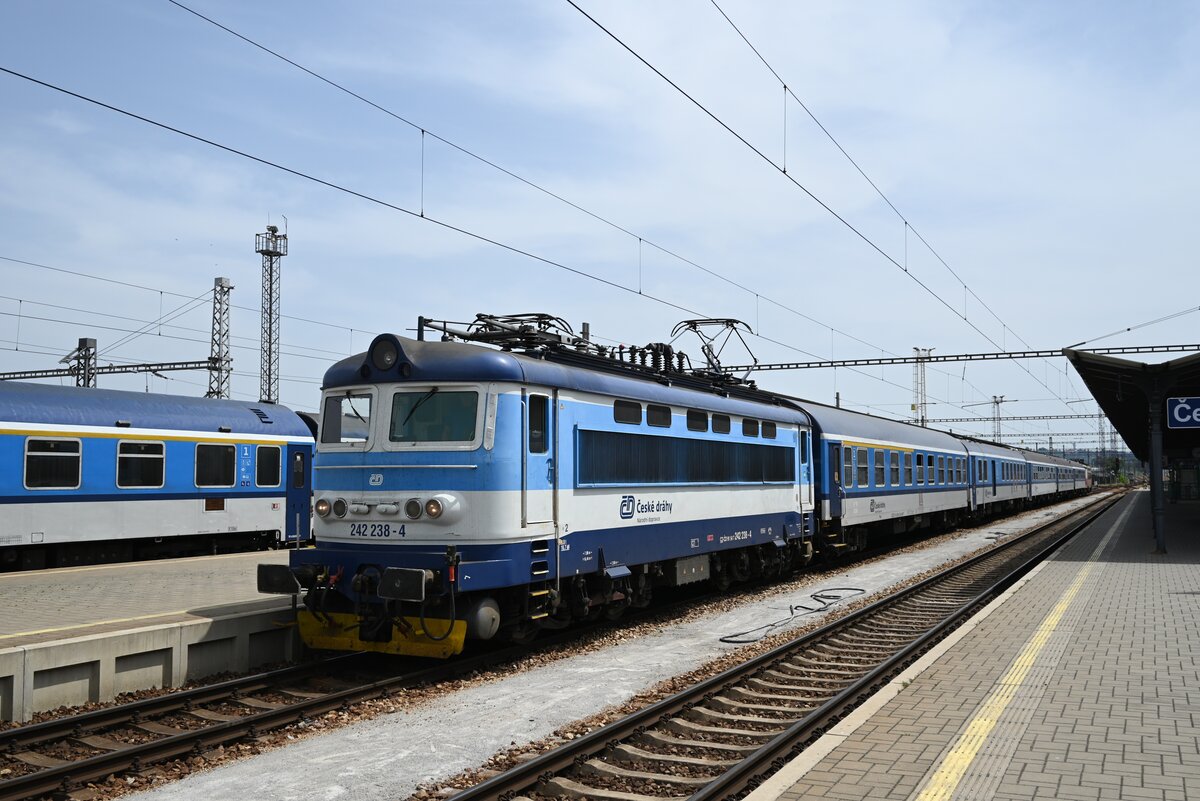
[
  {"x": 273, "y": 247},
  {"x": 222, "y": 357}
]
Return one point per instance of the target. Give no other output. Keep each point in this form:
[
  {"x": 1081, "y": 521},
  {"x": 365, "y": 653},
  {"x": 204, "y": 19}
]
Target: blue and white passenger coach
[
  {"x": 93, "y": 475},
  {"x": 463, "y": 492}
]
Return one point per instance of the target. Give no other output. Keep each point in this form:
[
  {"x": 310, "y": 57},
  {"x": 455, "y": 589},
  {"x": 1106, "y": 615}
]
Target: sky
[{"x": 963, "y": 176}]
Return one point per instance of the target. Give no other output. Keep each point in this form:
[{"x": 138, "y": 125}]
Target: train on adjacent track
[
  {"x": 513, "y": 477},
  {"x": 93, "y": 475}
]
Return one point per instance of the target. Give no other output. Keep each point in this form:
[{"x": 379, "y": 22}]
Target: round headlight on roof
[{"x": 384, "y": 354}]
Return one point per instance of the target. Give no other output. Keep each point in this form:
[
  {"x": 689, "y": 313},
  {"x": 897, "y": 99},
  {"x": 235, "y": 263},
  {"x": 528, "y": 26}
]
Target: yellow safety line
[
  {"x": 92, "y": 625},
  {"x": 945, "y": 780}
]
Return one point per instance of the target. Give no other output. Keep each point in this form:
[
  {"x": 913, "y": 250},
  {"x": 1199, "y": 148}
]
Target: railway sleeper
[
  {"x": 36, "y": 760},
  {"x": 598, "y": 767},
  {"x": 866, "y": 645},
  {"x": 100, "y": 742},
  {"x": 712, "y": 715},
  {"x": 658, "y": 738},
  {"x": 151, "y": 727},
  {"x": 814, "y": 672},
  {"x": 628, "y": 753},
  {"x": 562, "y": 786},
  {"x": 793, "y": 697},
  {"x": 738, "y": 698},
  {"x": 806, "y": 690},
  {"x": 691, "y": 727}
]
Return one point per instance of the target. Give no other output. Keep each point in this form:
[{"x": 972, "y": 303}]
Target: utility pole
[
  {"x": 218, "y": 379},
  {"x": 273, "y": 247},
  {"x": 920, "y": 404},
  {"x": 996, "y": 401}
]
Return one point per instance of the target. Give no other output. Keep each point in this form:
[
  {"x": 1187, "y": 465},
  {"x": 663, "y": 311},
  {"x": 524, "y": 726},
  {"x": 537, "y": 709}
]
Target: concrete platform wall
[{"x": 98, "y": 667}]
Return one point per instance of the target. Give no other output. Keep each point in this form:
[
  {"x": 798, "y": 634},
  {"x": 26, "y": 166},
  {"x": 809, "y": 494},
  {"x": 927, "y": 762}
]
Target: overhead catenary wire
[
  {"x": 386, "y": 204},
  {"x": 425, "y": 132},
  {"x": 778, "y": 168}
]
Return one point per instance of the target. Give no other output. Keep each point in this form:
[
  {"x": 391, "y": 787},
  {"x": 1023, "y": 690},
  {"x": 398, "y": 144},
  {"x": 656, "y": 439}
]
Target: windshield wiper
[{"x": 416, "y": 406}]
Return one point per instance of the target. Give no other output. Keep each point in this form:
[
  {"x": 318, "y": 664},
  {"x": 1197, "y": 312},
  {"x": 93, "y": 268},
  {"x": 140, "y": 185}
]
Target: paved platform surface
[
  {"x": 47, "y": 605},
  {"x": 1082, "y": 683}
]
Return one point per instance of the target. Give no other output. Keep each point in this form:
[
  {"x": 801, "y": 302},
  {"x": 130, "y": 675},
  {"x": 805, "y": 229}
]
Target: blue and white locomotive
[
  {"x": 93, "y": 475},
  {"x": 466, "y": 492}
]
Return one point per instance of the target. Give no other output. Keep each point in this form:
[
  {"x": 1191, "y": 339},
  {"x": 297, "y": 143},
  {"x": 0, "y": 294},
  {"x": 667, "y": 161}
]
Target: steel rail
[{"x": 526, "y": 776}]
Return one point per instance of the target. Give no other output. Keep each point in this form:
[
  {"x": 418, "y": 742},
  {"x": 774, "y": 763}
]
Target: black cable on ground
[{"x": 827, "y": 598}]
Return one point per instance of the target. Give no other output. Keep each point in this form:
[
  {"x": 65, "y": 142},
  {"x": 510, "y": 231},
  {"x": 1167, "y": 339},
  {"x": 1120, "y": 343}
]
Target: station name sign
[{"x": 1183, "y": 412}]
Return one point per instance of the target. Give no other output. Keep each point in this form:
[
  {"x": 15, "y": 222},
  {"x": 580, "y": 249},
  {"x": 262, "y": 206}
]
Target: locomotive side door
[{"x": 539, "y": 484}]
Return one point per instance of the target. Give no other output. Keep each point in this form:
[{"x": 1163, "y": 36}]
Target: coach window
[
  {"x": 847, "y": 467},
  {"x": 880, "y": 475},
  {"x": 268, "y": 465},
  {"x": 627, "y": 412},
  {"x": 958, "y": 470},
  {"x": 768, "y": 430},
  {"x": 139, "y": 464},
  {"x": 539, "y": 423},
  {"x": 346, "y": 418},
  {"x": 720, "y": 423},
  {"x": 215, "y": 465},
  {"x": 941, "y": 470},
  {"x": 804, "y": 435},
  {"x": 299, "y": 470},
  {"x": 920, "y": 468},
  {"x": 860, "y": 461},
  {"x": 52, "y": 463},
  {"x": 697, "y": 420},
  {"x": 658, "y": 416},
  {"x": 749, "y": 427},
  {"x": 907, "y": 459},
  {"x": 895, "y": 460}
]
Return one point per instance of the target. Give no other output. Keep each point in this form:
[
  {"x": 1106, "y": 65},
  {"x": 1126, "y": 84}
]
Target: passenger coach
[{"x": 93, "y": 475}]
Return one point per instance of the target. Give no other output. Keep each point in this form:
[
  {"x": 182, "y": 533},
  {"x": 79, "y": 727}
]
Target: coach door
[
  {"x": 539, "y": 485},
  {"x": 836, "y": 491},
  {"x": 299, "y": 493}
]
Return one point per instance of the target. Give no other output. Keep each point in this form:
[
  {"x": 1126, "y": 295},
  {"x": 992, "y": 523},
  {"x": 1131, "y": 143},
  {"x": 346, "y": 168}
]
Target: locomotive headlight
[
  {"x": 384, "y": 354},
  {"x": 322, "y": 508},
  {"x": 339, "y": 507},
  {"x": 433, "y": 508},
  {"x": 412, "y": 509}
]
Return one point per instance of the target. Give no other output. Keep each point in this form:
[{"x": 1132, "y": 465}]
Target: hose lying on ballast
[{"x": 827, "y": 598}]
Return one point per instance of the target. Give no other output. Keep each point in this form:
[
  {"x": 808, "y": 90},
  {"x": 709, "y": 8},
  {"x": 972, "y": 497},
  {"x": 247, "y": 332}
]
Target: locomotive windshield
[
  {"x": 433, "y": 416},
  {"x": 346, "y": 418}
]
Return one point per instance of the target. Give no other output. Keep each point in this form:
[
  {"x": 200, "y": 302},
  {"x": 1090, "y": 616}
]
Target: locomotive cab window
[
  {"x": 346, "y": 418},
  {"x": 215, "y": 465},
  {"x": 434, "y": 415},
  {"x": 658, "y": 416},
  {"x": 720, "y": 423},
  {"x": 539, "y": 423},
  {"x": 139, "y": 464},
  {"x": 268, "y": 465},
  {"x": 697, "y": 420},
  {"x": 52, "y": 463},
  {"x": 627, "y": 412}
]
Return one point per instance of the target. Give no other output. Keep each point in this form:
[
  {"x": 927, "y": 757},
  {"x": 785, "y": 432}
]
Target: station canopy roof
[{"x": 1124, "y": 388}]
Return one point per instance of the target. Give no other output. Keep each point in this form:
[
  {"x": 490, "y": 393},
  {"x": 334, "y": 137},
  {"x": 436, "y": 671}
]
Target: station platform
[
  {"x": 1080, "y": 682},
  {"x": 76, "y": 635}
]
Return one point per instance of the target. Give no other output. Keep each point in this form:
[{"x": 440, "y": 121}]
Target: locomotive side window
[
  {"x": 346, "y": 418},
  {"x": 619, "y": 458},
  {"x": 749, "y": 427},
  {"x": 52, "y": 463},
  {"x": 720, "y": 423},
  {"x": 627, "y": 412},
  {"x": 768, "y": 430},
  {"x": 139, "y": 464},
  {"x": 539, "y": 423},
  {"x": 697, "y": 420},
  {"x": 435, "y": 416},
  {"x": 215, "y": 465},
  {"x": 658, "y": 416},
  {"x": 268, "y": 465}
]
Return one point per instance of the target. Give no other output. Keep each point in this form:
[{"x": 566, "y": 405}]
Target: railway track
[
  {"x": 58, "y": 756},
  {"x": 722, "y": 737}
]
